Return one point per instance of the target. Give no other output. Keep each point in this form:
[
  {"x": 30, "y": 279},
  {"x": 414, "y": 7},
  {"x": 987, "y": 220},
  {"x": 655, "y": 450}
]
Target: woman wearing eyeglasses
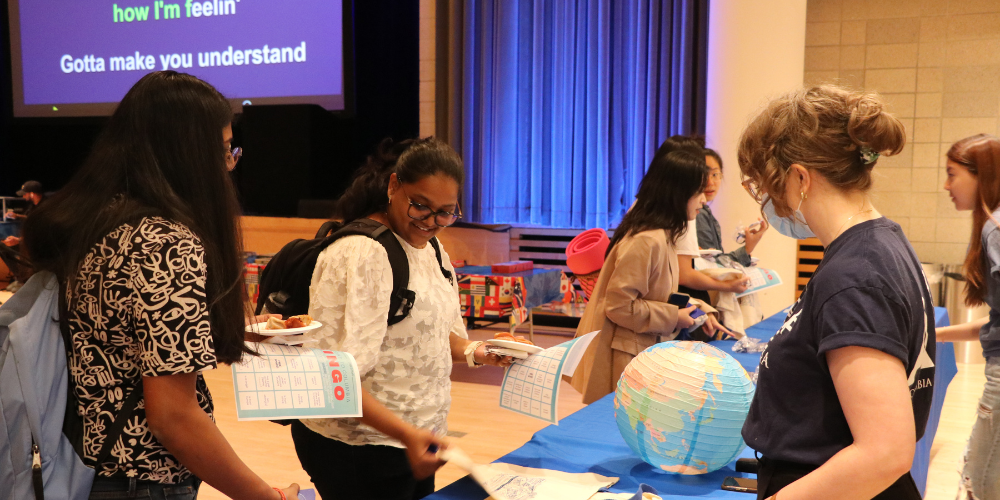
[
  {"x": 412, "y": 188},
  {"x": 844, "y": 388}
]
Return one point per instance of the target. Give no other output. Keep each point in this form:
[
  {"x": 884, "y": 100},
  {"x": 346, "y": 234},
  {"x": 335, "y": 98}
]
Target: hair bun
[{"x": 871, "y": 127}]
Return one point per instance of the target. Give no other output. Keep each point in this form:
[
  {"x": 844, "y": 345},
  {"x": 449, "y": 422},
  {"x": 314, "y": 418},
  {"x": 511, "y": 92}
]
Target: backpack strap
[
  {"x": 327, "y": 228},
  {"x": 401, "y": 300},
  {"x": 115, "y": 431},
  {"x": 72, "y": 422},
  {"x": 437, "y": 253}
]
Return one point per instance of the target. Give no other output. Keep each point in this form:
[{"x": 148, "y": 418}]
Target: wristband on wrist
[
  {"x": 470, "y": 353},
  {"x": 282, "y": 493}
]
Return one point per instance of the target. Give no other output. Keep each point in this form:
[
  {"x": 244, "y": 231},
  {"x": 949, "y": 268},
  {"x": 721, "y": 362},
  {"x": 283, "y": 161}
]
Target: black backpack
[{"x": 284, "y": 282}]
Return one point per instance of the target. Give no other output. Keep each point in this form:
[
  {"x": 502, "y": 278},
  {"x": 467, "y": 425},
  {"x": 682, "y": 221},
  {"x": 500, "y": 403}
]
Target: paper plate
[
  {"x": 293, "y": 340},
  {"x": 517, "y": 346},
  {"x": 259, "y": 329}
]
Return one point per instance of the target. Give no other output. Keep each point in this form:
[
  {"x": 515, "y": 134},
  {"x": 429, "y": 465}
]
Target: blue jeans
[
  {"x": 981, "y": 472},
  {"x": 118, "y": 489}
]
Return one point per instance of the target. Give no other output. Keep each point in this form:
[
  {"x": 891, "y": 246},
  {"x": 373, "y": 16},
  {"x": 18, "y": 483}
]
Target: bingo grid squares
[
  {"x": 757, "y": 279},
  {"x": 529, "y": 387},
  {"x": 283, "y": 378}
]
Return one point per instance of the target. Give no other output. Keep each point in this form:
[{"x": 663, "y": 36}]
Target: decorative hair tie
[{"x": 868, "y": 155}]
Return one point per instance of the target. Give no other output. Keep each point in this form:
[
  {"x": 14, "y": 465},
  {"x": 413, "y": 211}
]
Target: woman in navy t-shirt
[
  {"x": 844, "y": 387},
  {"x": 974, "y": 184}
]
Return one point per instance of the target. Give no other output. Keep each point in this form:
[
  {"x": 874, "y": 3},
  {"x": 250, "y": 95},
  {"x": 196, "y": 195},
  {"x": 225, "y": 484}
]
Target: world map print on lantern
[{"x": 681, "y": 405}]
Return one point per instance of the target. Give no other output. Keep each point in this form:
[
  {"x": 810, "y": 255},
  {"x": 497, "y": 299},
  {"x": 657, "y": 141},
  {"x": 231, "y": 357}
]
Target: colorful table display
[
  {"x": 496, "y": 296},
  {"x": 251, "y": 277},
  {"x": 514, "y": 266},
  {"x": 681, "y": 406}
]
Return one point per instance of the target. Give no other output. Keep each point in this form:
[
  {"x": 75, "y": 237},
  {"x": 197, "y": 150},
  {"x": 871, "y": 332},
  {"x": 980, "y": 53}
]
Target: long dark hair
[
  {"x": 679, "y": 142},
  {"x": 980, "y": 154},
  {"x": 411, "y": 160},
  {"x": 161, "y": 154},
  {"x": 670, "y": 182}
]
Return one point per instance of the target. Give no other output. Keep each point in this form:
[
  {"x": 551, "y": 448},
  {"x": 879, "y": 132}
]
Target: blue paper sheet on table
[{"x": 589, "y": 440}]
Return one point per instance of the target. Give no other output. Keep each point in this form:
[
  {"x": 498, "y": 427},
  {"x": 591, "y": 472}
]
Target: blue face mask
[{"x": 793, "y": 227}]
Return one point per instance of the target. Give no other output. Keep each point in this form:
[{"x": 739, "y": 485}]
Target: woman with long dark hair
[
  {"x": 688, "y": 246},
  {"x": 629, "y": 303},
  {"x": 973, "y": 169},
  {"x": 145, "y": 242},
  {"x": 412, "y": 188}
]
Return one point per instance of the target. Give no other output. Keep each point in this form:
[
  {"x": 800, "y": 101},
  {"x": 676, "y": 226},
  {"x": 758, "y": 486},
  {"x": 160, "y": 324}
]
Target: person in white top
[{"x": 411, "y": 187}]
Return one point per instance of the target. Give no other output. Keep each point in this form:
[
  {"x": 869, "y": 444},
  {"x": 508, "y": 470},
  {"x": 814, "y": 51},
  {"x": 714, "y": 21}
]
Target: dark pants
[
  {"x": 344, "y": 472},
  {"x": 774, "y": 475},
  {"x": 124, "y": 489}
]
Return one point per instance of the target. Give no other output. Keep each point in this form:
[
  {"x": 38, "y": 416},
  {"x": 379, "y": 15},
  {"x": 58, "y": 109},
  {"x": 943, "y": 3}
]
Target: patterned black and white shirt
[{"x": 138, "y": 308}]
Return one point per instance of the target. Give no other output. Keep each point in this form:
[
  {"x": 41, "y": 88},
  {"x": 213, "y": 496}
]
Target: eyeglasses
[
  {"x": 751, "y": 186},
  {"x": 442, "y": 218},
  {"x": 233, "y": 157}
]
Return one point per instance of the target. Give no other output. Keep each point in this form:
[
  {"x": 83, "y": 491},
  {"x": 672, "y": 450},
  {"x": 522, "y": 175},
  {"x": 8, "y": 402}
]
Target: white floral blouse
[{"x": 406, "y": 366}]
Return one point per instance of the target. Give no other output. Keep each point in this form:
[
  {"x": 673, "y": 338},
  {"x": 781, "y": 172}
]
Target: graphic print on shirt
[
  {"x": 793, "y": 316},
  {"x": 924, "y": 359},
  {"x": 138, "y": 308}
]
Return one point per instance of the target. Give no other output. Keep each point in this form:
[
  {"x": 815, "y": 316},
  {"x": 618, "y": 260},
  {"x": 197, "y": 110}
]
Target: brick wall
[{"x": 937, "y": 63}]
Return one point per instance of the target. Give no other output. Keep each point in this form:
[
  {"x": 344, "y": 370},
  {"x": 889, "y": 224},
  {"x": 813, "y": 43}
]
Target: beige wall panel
[
  {"x": 953, "y": 129},
  {"x": 901, "y": 105},
  {"x": 823, "y": 10},
  {"x": 970, "y": 104},
  {"x": 891, "y": 80},
  {"x": 823, "y": 34},
  {"x": 893, "y": 31},
  {"x": 853, "y": 32},
  {"x": 928, "y": 104},
  {"x": 933, "y": 29},
  {"x": 925, "y": 180},
  {"x": 893, "y": 179},
  {"x": 895, "y": 55},
  {"x": 922, "y": 229},
  {"x": 822, "y": 58}
]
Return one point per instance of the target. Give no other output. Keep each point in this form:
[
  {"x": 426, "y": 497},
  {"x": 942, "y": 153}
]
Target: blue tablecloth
[
  {"x": 589, "y": 441},
  {"x": 10, "y": 228}
]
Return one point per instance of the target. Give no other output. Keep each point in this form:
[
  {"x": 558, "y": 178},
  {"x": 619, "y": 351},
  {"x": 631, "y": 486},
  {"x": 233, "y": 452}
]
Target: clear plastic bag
[{"x": 749, "y": 344}]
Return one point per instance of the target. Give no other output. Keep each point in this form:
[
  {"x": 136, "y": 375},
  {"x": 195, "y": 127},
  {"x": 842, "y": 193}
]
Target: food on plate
[
  {"x": 298, "y": 321},
  {"x": 508, "y": 336},
  {"x": 292, "y": 322}
]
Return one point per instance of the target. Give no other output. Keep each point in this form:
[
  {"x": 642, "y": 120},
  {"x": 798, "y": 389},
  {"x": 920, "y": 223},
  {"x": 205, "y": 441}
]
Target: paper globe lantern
[
  {"x": 585, "y": 252},
  {"x": 681, "y": 405}
]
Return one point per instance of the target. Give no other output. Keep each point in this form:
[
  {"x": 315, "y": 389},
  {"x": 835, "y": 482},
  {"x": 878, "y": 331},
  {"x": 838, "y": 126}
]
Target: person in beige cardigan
[{"x": 629, "y": 303}]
